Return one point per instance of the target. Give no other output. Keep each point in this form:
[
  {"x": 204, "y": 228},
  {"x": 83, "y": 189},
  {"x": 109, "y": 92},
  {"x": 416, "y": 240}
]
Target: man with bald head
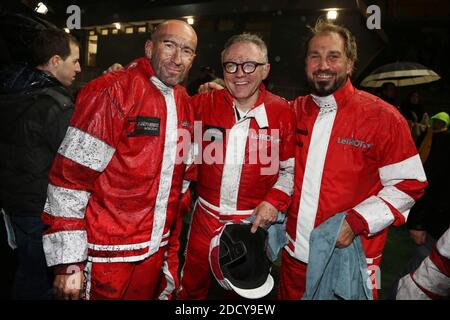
[{"x": 114, "y": 187}]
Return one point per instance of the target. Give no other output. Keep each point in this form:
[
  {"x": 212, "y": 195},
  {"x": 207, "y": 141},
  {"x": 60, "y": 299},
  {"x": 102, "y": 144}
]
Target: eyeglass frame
[
  {"x": 256, "y": 64},
  {"x": 177, "y": 45}
]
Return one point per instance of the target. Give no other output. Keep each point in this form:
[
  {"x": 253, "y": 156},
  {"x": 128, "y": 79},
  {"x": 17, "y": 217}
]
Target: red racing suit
[
  {"x": 235, "y": 174},
  {"x": 116, "y": 181},
  {"x": 354, "y": 154}
]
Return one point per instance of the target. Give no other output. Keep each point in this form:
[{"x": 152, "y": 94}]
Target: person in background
[
  {"x": 414, "y": 112},
  {"x": 388, "y": 92},
  {"x": 32, "y": 131},
  {"x": 430, "y": 216},
  {"x": 431, "y": 280}
]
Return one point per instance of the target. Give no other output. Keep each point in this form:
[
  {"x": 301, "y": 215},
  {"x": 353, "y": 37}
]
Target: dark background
[{"x": 411, "y": 30}]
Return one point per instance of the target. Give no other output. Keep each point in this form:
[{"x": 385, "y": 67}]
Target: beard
[
  {"x": 166, "y": 77},
  {"x": 325, "y": 88}
]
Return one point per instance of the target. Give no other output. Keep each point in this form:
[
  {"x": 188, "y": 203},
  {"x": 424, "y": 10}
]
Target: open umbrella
[{"x": 401, "y": 74}]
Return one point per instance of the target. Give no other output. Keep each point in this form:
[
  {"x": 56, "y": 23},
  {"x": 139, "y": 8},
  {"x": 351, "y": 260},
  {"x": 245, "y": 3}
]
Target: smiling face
[
  {"x": 244, "y": 87},
  {"x": 327, "y": 64},
  {"x": 172, "y": 51}
]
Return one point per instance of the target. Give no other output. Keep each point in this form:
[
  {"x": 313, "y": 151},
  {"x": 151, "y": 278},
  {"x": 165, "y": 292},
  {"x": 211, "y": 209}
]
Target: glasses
[
  {"x": 170, "y": 47},
  {"x": 247, "y": 66}
]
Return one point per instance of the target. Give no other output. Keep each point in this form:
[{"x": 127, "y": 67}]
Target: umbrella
[{"x": 401, "y": 74}]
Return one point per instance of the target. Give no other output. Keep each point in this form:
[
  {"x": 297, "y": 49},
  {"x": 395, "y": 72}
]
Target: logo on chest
[
  {"x": 355, "y": 143},
  {"x": 146, "y": 126}
]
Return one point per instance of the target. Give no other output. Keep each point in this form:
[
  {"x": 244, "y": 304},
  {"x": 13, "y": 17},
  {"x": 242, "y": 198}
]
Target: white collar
[
  {"x": 326, "y": 104},
  {"x": 165, "y": 90}
]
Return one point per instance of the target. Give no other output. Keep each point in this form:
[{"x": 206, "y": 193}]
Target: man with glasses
[
  {"x": 247, "y": 156},
  {"x": 112, "y": 205}
]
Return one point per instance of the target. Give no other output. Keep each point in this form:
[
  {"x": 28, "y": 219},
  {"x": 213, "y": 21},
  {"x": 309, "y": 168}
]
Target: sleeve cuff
[
  {"x": 68, "y": 268},
  {"x": 356, "y": 222},
  {"x": 278, "y": 199}
]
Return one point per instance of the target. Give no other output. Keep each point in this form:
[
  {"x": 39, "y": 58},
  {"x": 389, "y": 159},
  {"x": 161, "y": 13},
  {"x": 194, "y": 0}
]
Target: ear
[
  {"x": 54, "y": 61},
  {"x": 266, "y": 70},
  {"x": 350, "y": 67},
  {"x": 148, "y": 49}
]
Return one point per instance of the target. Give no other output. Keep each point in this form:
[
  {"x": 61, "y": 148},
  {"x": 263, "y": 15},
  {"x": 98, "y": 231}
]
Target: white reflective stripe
[
  {"x": 66, "y": 203},
  {"x": 65, "y": 247},
  {"x": 232, "y": 168},
  {"x": 285, "y": 181},
  {"x": 204, "y": 208},
  {"x": 370, "y": 260},
  {"x": 127, "y": 258},
  {"x": 86, "y": 149},
  {"x": 408, "y": 169},
  {"x": 429, "y": 277},
  {"x": 88, "y": 273},
  {"x": 312, "y": 180},
  {"x": 123, "y": 247},
  {"x": 260, "y": 115},
  {"x": 185, "y": 186},
  {"x": 167, "y": 165},
  {"x": 119, "y": 259},
  {"x": 170, "y": 285},
  {"x": 166, "y": 235},
  {"x": 163, "y": 243},
  {"x": 206, "y": 204},
  {"x": 10, "y": 235},
  {"x": 408, "y": 290},
  {"x": 193, "y": 150},
  {"x": 376, "y": 213},
  {"x": 443, "y": 244},
  {"x": 300, "y": 249},
  {"x": 398, "y": 199}
]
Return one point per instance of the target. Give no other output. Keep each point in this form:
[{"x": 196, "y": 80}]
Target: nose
[
  {"x": 176, "y": 56},
  {"x": 77, "y": 67},
  {"x": 323, "y": 65},
  {"x": 240, "y": 71}
]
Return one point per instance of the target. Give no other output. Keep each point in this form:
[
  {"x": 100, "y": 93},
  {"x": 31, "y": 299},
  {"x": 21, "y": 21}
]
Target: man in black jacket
[{"x": 35, "y": 109}]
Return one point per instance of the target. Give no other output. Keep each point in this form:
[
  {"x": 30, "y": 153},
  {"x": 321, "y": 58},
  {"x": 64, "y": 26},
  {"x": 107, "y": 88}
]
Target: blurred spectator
[
  {"x": 414, "y": 112},
  {"x": 431, "y": 281},
  {"x": 412, "y": 108},
  {"x": 207, "y": 74},
  {"x": 388, "y": 92},
  {"x": 430, "y": 217}
]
